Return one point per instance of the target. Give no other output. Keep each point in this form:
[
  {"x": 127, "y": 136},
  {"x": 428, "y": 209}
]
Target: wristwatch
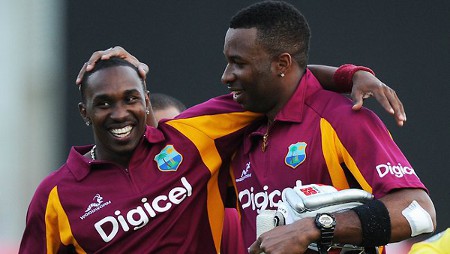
[{"x": 326, "y": 223}]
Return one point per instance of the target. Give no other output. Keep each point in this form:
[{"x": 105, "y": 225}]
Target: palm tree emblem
[
  {"x": 168, "y": 159},
  {"x": 296, "y": 154}
]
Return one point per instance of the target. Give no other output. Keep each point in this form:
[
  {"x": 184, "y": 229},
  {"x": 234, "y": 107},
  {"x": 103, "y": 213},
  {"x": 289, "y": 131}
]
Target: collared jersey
[
  {"x": 169, "y": 199},
  {"x": 316, "y": 138}
]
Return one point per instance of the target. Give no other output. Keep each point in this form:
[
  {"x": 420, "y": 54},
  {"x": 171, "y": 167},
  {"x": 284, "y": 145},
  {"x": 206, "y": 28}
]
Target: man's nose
[
  {"x": 120, "y": 111},
  {"x": 227, "y": 76}
]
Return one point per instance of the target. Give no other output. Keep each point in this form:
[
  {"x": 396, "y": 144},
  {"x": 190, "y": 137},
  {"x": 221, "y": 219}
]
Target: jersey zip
[
  {"x": 265, "y": 141},
  {"x": 265, "y": 147},
  {"x": 131, "y": 181}
]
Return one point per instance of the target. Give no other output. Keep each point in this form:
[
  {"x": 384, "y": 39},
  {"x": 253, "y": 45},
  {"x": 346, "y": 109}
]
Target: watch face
[{"x": 326, "y": 221}]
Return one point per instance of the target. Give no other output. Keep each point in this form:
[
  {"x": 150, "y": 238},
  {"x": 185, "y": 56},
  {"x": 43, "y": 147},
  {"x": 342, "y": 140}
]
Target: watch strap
[{"x": 326, "y": 231}]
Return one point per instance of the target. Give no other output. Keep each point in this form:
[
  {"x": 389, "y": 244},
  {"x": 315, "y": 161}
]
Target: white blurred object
[
  {"x": 31, "y": 105},
  {"x": 304, "y": 201}
]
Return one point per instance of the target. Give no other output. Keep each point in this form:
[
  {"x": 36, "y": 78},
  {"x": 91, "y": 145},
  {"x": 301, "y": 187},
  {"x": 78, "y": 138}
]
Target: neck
[
  {"x": 123, "y": 159},
  {"x": 288, "y": 85}
]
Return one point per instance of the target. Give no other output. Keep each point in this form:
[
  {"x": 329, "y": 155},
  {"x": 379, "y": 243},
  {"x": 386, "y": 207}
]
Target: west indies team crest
[
  {"x": 168, "y": 159},
  {"x": 296, "y": 154}
]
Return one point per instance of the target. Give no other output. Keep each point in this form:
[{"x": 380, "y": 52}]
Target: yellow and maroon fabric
[{"x": 169, "y": 199}]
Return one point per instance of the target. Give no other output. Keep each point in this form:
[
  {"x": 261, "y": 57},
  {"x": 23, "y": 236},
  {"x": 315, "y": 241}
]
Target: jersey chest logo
[
  {"x": 296, "y": 154},
  {"x": 97, "y": 204},
  {"x": 168, "y": 159}
]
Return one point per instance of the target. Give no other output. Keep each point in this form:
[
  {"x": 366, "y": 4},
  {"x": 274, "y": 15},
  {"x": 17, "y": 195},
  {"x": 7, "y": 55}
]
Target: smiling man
[
  {"x": 116, "y": 109},
  {"x": 176, "y": 201},
  {"x": 216, "y": 112},
  {"x": 312, "y": 135},
  {"x": 138, "y": 189}
]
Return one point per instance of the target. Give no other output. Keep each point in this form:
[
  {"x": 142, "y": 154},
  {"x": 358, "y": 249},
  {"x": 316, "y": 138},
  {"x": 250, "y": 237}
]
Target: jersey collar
[
  {"x": 81, "y": 166},
  {"x": 293, "y": 111}
]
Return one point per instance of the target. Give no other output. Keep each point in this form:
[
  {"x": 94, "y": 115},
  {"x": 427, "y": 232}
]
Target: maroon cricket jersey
[
  {"x": 169, "y": 199},
  {"x": 317, "y": 138}
]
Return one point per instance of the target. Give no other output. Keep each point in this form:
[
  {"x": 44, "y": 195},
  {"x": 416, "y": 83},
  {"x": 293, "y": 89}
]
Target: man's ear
[
  {"x": 147, "y": 99},
  {"x": 83, "y": 113},
  {"x": 283, "y": 63},
  {"x": 148, "y": 104},
  {"x": 151, "y": 120}
]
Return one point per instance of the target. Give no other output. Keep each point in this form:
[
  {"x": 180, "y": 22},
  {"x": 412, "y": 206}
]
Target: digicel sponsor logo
[
  {"x": 260, "y": 200},
  {"x": 138, "y": 217},
  {"x": 396, "y": 170}
]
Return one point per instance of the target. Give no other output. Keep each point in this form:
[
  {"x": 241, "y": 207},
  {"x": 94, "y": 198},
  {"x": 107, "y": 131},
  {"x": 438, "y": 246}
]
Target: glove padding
[{"x": 308, "y": 200}]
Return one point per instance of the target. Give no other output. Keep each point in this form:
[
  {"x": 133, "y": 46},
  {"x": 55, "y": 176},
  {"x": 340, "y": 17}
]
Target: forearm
[
  {"x": 375, "y": 223},
  {"x": 396, "y": 202},
  {"x": 325, "y": 75},
  {"x": 339, "y": 79},
  {"x": 349, "y": 228},
  {"x": 361, "y": 82}
]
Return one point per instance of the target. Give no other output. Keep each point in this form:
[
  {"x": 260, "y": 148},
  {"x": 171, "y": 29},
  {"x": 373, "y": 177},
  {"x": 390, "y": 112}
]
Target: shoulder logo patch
[
  {"x": 296, "y": 154},
  {"x": 168, "y": 159}
]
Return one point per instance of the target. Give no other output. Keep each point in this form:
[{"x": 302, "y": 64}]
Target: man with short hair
[
  {"x": 312, "y": 135},
  {"x": 165, "y": 106},
  {"x": 252, "y": 74},
  {"x": 138, "y": 189}
]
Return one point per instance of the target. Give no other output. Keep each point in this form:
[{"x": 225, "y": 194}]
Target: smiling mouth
[{"x": 122, "y": 132}]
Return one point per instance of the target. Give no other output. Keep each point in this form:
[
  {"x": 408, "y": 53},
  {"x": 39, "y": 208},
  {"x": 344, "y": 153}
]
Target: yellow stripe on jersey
[
  {"x": 218, "y": 125},
  {"x": 335, "y": 154},
  {"x": 57, "y": 226},
  {"x": 202, "y": 132},
  {"x": 233, "y": 177}
]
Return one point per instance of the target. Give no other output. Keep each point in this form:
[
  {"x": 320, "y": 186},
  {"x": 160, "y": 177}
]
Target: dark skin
[
  {"x": 116, "y": 106},
  {"x": 364, "y": 83},
  {"x": 296, "y": 237},
  {"x": 246, "y": 61}
]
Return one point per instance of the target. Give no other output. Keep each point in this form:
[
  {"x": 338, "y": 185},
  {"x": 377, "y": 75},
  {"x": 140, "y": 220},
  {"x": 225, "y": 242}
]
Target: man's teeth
[{"x": 122, "y": 132}]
